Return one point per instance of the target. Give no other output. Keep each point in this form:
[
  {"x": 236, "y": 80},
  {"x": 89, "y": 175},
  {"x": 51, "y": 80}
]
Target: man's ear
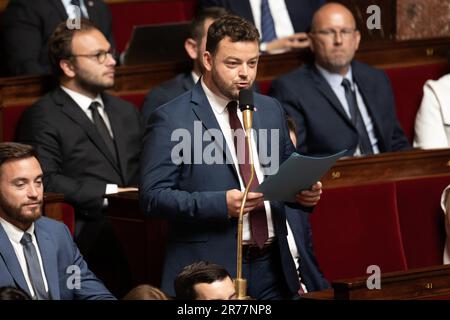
[
  {"x": 190, "y": 45},
  {"x": 67, "y": 67},
  {"x": 207, "y": 60}
]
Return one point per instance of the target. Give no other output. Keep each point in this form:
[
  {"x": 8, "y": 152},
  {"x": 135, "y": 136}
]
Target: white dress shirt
[
  {"x": 84, "y": 102},
  {"x": 15, "y": 235},
  {"x": 71, "y": 10},
  {"x": 335, "y": 82},
  {"x": 219, "y": 105},
  {"x": 280, "y": 15}
]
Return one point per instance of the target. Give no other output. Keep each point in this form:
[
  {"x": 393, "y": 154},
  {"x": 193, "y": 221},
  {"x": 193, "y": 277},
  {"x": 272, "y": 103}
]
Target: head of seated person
[
  {"x": 12, "y": 293},
  {"x": 204, "y": 281},
  {"x": 334, "y": 38},
  {"x": 146, "y": 292}
]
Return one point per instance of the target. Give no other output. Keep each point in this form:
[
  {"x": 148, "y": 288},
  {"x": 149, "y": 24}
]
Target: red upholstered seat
[
  {"x": 422, "y": 219},
  {"x": 128, "y": 14},
  {"x": 136, "y": 99},
  {"x": 11, "y": 117},
  {"x": 407, "y": 83},
  {"x": 355, "y": 227}
]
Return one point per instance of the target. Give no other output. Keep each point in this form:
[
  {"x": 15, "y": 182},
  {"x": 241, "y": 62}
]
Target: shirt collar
[
  {"x": 15, "y": 234},
  {"x": 219, "y": 104},
  {"x": 335, "y": 79},
  {"x": 83, "y": 101},
  {"x": 194, "y": 76}
]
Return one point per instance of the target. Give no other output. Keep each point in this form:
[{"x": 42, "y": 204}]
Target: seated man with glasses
[
  {"x": 338, "y": 103},
  {"x": 88, "y": 141}
]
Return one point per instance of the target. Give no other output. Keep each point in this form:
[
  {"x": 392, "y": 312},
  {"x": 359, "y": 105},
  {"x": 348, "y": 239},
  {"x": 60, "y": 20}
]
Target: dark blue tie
[
  {"x": 267, "y": 24},
  {"x": 364, "y": 141},
  {"x": 78, "y": 4},
  {"x": 34, "y": 268}
]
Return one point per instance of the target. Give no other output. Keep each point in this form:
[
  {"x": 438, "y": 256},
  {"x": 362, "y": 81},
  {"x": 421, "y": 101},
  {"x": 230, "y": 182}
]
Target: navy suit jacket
[
  {"x": 192, "y": 197},
  {"x": 300, "y": 11},
  {"x": 27, "y": 26},
  {"x": 59, "y": 256},
  {"x": 323, "y": 127},
  {"x": 309, "y": 270},
  {"x": 165, "y": 92}
]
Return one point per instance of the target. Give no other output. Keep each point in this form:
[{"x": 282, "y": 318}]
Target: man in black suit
[
  {"x": 88, "y": 142},
  {"x": 338, "y": 103},
  {"x": 290, "y": 20},
  {"x": 195, "y": 47},
  {"x": 27, "y": 26}
]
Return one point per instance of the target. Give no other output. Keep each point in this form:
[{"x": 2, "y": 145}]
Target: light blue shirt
[
  {"x": 71, "y": 10},
  {"x": 335, "y": 82}
]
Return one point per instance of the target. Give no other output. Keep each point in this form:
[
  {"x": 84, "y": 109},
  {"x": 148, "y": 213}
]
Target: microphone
[{"x": 246, "y": 106}]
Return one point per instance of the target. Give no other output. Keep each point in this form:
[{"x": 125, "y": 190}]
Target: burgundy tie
[{"x": 258, "y": 219}]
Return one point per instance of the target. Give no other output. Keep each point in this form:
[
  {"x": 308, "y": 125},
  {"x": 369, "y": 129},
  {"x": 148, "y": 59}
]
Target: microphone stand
[{"x": 240, "y": 283}]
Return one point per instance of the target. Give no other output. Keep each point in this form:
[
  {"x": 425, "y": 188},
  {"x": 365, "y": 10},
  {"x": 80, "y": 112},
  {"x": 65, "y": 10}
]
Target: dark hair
[
  {"x": 60, "y": 43},
  {"x": 197, "y": 272},
  {"x": 13, "y": 150},
  {"x": 235, "y": 27},
  {"x": 12, "y": 293},
  {"x": 198, "y": 21},
  {"x": 146, "y": 292}
]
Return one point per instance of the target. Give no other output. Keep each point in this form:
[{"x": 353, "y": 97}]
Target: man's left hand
[{"x": 311, "y": 197}]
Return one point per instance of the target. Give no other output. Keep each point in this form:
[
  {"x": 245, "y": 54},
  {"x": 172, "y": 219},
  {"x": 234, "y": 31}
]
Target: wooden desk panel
[{"x": 391, "y": 166}]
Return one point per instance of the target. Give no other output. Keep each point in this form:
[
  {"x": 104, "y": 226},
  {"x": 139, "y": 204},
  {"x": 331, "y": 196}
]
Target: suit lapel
[
  {"x": 368, "y": 98},
  {"x": 9, "y": 257},
  {"x": 203, "y": 111},
  {"x": 73, "y": 111},
  {"x": 48, "y": 252},
  {"x": 92, "y": 11},
  {"x": 117, "y": 128},
  {"x": 242, "y": 8},
  {"x": 323, "y": 86}
]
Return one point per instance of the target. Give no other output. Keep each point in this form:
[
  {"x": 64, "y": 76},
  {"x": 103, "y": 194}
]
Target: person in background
[
  {"x": 282, "y": 24},
  {"x": 338, "y": 103},
  {"x": 27, "y": 26},
  {"x": 203, "y": 280},
  {"x": 432, "y": 126},
  {"x": 195, "y": 47},
  {"x": 88, "y": 143},
  {"x": 445, "y": 205},
  {"x": 38, "y": 254},
  {"x": 300, "y": 242},
  {"x": 146, "y": 292},
  {"x": 13, "y": 293}
]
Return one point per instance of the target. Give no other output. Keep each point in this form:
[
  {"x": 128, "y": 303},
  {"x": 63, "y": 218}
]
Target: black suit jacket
[
  {"x": 74, "y": 158},
  {"x": 165, "y": 92},
  {"x": 27, "y": 26},
  {"x": 323, "y": 127},
  {"x": 300, "y": 11}
]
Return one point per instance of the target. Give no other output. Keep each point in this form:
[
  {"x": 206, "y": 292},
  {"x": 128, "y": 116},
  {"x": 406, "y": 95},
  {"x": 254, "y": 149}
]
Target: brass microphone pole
[{"x": 245, "y": 95}]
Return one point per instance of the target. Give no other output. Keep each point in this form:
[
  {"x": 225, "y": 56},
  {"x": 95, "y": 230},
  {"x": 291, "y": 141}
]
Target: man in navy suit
[
  {"x": 195, "y": 46},
  {"x": 338, "y": 103},
  {"x": 37, "y": 254},
  {"x": 290, "y": 18},
  {"x": 198, "y": 186},
  {"x": 27, "y": 26}
]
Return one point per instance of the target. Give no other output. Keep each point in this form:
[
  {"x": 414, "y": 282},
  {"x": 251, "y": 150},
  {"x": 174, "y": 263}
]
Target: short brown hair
[
  {"x": 232, "y": 26},
  {"x": 13, "y": 150},
  {"x": 60, "y": 43},
  {"x": 195, "y": 273},
  {"x": 198, "y": 21},
  {"x": 146, "y": 292}
]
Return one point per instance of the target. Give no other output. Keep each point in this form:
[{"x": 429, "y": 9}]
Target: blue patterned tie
[
  {"x": 267, "y": 24},
  {"x": 34, "y": 268}
]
